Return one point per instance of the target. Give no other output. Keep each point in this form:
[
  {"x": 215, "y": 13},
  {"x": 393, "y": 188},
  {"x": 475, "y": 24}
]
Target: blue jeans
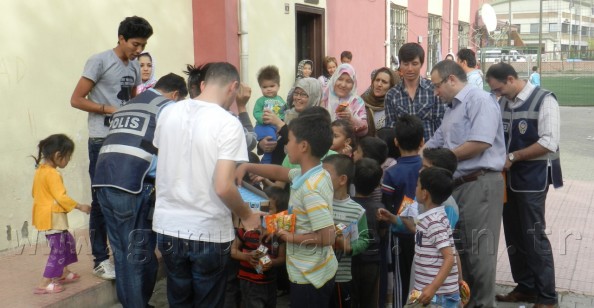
[
  {"x": 97, "y": 229},
  {"x": 447, "y": 301},
  {"x": 196, "y": 271},
  {"x": 263, "y": 131},
  {"x": 129, "y": 226}
]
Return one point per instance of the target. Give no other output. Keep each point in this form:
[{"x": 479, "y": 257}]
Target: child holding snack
[
  {"x": 311, "y": 262},
  {"x": 50, "y": 205},
  {"x": 343, "y": 137},
  {"x": 258, "y": 279}
]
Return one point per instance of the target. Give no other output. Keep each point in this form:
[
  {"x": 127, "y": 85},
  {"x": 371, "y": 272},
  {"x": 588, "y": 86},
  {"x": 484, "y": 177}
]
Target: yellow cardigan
[{"x": 49, "y": 195}]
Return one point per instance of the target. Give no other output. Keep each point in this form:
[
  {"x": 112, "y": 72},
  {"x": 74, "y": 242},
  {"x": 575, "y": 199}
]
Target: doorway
[{"x": 309, "y": 36}]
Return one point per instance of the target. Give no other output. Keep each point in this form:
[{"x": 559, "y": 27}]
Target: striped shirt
[
  {"x": 433, "y": 234},
  {"x": 349, "y": 212},
  {"x": 311, "y": 202}
]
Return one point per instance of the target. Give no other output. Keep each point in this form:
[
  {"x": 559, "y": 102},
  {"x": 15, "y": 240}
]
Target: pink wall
[
  {"x": 215, "y": 31},
  {"x": 358, "y": 26},
  {"x": 418, "y": 25}
]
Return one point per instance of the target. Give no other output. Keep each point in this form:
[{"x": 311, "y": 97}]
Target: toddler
[{"x": 343, "y": 137}]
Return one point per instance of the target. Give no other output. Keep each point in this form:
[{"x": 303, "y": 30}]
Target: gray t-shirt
[{"x": 114, "y": 82}]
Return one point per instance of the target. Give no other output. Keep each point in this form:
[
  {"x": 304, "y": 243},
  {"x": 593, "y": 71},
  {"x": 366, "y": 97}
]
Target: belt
[{"x": 473, "y": 176}]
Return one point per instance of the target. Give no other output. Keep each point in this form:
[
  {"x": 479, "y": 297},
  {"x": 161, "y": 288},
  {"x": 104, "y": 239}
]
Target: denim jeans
[
  {"x": 129, "y": 226},
  {"x": 196, "y": 271},
  {"x": 97, "y": 228},
  {"x": 447, "y": 301}
]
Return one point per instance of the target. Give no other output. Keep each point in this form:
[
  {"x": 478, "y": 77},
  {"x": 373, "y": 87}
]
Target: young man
[
  {"x": 108, "y": 81},
  {"x": 413, "y": 95},
  {"x": 532, "y": 131},
  {"x": 467, "y": 60},
  {"x": 311, "y": 263},
  {"x": 473, "y": 130},
  {"x": 199, "y": 144},
  {"x": 125, "y": 183}
]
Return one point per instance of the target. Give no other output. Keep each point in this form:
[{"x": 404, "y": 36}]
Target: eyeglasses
[
  {"x": 437, "y": 85},
  {"x": 300, "y": 94}
]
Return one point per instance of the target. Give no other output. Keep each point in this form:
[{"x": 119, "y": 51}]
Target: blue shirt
[
  {"x": 475, "y": 78},
  {"x": 400, "y": 181},
  {"x": 535, "y": 79},
  {"x": 474, "y": 115}
]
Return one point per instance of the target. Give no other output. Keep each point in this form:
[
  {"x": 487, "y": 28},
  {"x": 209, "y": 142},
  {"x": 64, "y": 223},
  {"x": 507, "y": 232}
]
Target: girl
[
  {"x": 50, "y": 205},
  {"x": 344, "y": 137},
  {"x": 147, "y": 72},
  {"x": 304, "y": 70},
  {"x": 330, "y": 65}
]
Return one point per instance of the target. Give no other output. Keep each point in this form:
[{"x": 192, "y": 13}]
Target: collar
[
  {"x": 434, "y": 210},
  {"x": 461, "y": 96},
  {"x": 153, "y": 89},
  {"x": 299, "y": 180},
  {"x": 525, "y": 92}
]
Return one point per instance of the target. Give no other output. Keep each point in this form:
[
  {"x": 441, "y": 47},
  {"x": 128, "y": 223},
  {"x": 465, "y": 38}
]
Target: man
[
  {"x": 473, "y": 130},
  {"x": 531, "y": 129},
  {"x": 413, "y": 95},
  {"x": 108, "y": 81},
  {"x": 467, "y": 60},
  {"x": 125, "y": 184},
  {"x": 199, "y": 144}
]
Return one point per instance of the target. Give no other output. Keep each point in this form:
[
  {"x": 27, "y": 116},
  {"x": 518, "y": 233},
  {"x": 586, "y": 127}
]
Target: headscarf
[
  {"x": 330, "y": 100},
  {"x": 313, "y": 89},
  {"x": 377, "y": 103},
  {"x": 151, "y": 81},
  {"x": 300, "y": 68}
]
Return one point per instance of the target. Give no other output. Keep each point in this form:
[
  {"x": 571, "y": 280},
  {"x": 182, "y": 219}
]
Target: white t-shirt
[{"x": 192, "y": 136}]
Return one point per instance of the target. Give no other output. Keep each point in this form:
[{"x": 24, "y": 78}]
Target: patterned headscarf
[{"x": 300, "y": 67}]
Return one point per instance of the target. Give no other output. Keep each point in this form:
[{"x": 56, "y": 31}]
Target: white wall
[{"x": 45, "y": 45}]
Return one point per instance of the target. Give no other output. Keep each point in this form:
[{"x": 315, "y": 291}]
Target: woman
[
  {"x": 147, "y": 72},
  {"x": 330, "y": 65},
  {"x": 304, "y": 69},
  {"x": 382, "y": 80},
  {"x": 342, "y": 102}
]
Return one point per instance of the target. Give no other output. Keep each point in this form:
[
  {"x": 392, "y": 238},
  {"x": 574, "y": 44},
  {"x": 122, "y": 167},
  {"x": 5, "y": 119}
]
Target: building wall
[
  {"x": 215, "y": 31},
  {"x": 41, "y": 60}
]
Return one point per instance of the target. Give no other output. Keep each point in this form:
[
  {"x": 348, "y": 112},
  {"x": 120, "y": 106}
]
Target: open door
[{"x": 309, "y": 36}]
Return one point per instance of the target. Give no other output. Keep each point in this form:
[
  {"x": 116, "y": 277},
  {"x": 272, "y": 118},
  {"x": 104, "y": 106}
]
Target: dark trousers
[
  {"x": 365, "y": 285},
  {"x": 341, "y": 296},
  {"x": 308, "y": 296},
  {"x": 529, "y": 249},
  {"x": 97, "y": 227}
]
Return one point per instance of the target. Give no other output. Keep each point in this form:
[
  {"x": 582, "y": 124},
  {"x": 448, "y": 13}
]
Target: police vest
[
  {"x": 520, "y": 128},
  {"x": 127, "y": 152}
]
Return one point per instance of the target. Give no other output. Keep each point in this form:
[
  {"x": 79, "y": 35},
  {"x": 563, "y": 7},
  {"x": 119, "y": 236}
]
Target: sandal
[
  {"x": 71, "y": 277},
  {"x": 49, "y": 289}
]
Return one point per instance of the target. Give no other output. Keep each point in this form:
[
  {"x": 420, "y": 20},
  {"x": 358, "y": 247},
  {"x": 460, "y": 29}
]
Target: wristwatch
[{"x": 511, "y": 157}]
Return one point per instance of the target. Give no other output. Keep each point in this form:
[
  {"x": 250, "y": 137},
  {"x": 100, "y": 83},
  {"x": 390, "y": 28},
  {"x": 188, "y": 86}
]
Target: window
[
  {"x": 534, "y": 28},
  {"x": 463, "y": 35},
  {"x": 433, "y": 41},
  {"x": 554, "y": 27},
  {"x": 574, "y": 28},
  {"x": 584, "y": 30},
  {"x": 565, "y": 27},
  {"x": 517, "y": 27},
  {"x": 398, "y": 28}
]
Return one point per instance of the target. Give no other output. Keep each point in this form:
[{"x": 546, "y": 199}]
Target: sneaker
[{"x": 105, "y": 270}]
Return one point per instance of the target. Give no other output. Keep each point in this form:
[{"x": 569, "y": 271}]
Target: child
[
  {"x": 436, "y": 271},
  {"x": 387, "y": 134},
  {"x": 311, "y": 262},
  {"x": 346, "y": 57},
  {"x": 343, "y": 137},
  {"x": 269, "y": 81},
  {"x": 535, "y": 76},
  {"x": 330, "y": 65},
  {"x": 398, "y": 188},
  {"x": 304, "y": 70},
  {"x": 376, "y": 149},
  {"x": 258, "y": 289},
  {"x": 350, "y": 215},
  {"x": 366, "y": 266},
  {"x": 50, "y": 205}
]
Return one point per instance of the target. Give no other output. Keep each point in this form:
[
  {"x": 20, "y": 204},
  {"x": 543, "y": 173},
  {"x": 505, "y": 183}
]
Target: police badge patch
[{"x": 523, "y": 126}]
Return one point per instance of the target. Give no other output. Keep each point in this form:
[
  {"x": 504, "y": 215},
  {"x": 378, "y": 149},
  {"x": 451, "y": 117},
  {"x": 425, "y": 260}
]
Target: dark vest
[
  {"x": 127, "y": 152},
  {"x": 520, "y": 128}
]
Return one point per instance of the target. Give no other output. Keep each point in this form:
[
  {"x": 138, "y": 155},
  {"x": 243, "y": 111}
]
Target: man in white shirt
[
  {"x": 199, "y": 144},
  {"x": 467, "y": 59}
]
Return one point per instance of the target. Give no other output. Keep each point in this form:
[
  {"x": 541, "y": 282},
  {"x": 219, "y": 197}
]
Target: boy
[
  {"x": 269, "y": 81},
  {"x": 346, "y": 57},
  {"x": 398, "y": 190},
  {"x": 355, "y": 238},
  {"x": 108, "y": 81},
  {"x": 366, "y": 266},
  {"x": 311, "y": 263},
  {"x": 535, "y": 76},
  {"x": 258, "y": 289},
  {"x": 436, "y": 272}
]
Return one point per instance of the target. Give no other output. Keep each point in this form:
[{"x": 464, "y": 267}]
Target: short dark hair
[
  {"x": 135, "y": 27},
  {"x": 222, "y": 73},
  {"x": 438, "y": 182},
  {"x": 172, "y": 82},
  {"x": 374, "y": 148},
  {"x": 347, "y": 128},
  {"x": 368, "y": 175},
  {"x": 315, "y": 129},
  {"x": 269, "y": 72},
  {"x": 346, "y": 54},
  {"x": 387, "y": 134},
  {"x": 409, "y": 51},
  {"x": 409, "y": 132},
  {"x": 343, "y": 165},
  {"x": 446, "y": 68},
  {"x": 196, "y": 75},
  {"x": 500, "y": 71},
  {"x": 534, "y": 68},
  {"x": 280, "y": 195},
  {"x": 467, "y": 55},
  {"x": 442, "y": 158},
  {"x": 48, "y": 147},
  {"x": 317, "y": 111}
]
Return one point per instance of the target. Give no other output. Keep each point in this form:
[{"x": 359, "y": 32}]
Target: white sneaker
[{"x": 105, "y": 270}]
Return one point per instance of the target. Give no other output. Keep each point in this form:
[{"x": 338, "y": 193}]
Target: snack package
[
  {"x": 263, "y": 261},
  {"x": 464, "y": 293},
  {"x": 262, "y": 250},
  {"x": 280, "y": 221},
  {"x": 414, "y": 295},
  {"x": 340, "y": 227},
  {"x": 342, "y": 107}
]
